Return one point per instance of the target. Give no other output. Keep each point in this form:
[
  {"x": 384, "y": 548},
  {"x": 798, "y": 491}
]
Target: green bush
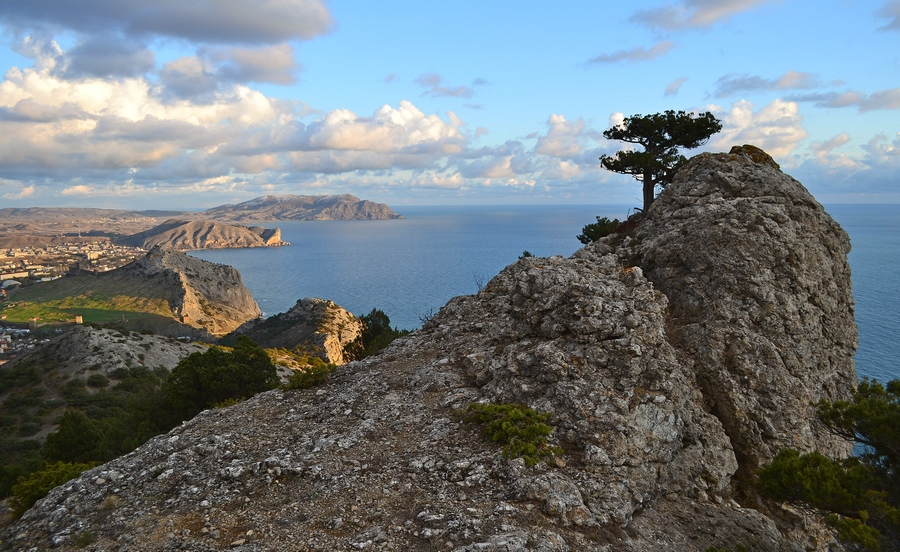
[
  {"x": 376, "y": 335},
  {"x": 97, "y": 380},
  {"x": 77, "y": 439},
  {"x": 522, "y": 431},
  {"x": 600, "y": 229},
  {"x": 314, "y": 374},
  {"x": 34, "y": 487},
  {"x": 860, "y": 495},
  {"x": 204, "y": 379}
]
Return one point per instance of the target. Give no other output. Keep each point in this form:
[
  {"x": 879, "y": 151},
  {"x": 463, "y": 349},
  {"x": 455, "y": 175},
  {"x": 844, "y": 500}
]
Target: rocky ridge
[
  {"x": 189, "y": 235},
  {"x": 293, "y": 207},
  {"x": 312, "y": 326},
  {"x": 203, "y": 295},
  {"x": 379, "y": 459}
]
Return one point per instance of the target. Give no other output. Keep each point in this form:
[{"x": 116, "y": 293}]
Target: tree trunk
[{"x": 649, "y": 186}]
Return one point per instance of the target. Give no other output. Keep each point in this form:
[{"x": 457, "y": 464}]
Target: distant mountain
[
  {"x": 293, "y": 207},
  {"x": 204, "y": 234}
]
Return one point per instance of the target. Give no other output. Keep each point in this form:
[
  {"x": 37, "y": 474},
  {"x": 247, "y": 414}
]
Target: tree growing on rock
[{"x": 661, "y": 135}]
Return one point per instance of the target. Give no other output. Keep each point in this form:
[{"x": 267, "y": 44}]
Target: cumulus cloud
[
  {"x": 433, "y": 81},
  {"x": 274, "y": 64},
  {"x": 737, "y": 84},
  {"x": 882, "y": 99},
  {"x": 827, "y": 157},
  {"x": 563, "y": 139},
  {"x": 891, "y": 11},
  {"x": 103, "y": 56},
  {"x": 673, "y": 87},
  {"x": 23, "y": 193},
  {"x": 635, "y": 54},
  {"x": 207, "y": 21},
  {"x": 693, "y": 14},
  {"x": 777, "y": 127},
  {"x": 187, "y": 77}
]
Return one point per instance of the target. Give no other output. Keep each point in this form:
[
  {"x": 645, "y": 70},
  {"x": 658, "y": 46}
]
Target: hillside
[
  {"x": 166, "y": 291},
  {"x": 669, "y": 362},
  {"x": 293, "y": 207},
  {"x": 202, "y": 234},
  {"x": 313, "y": 326}
]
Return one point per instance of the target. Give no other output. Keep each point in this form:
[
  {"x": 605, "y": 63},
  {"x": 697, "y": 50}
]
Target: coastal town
[{"x": 28, "y": 265}]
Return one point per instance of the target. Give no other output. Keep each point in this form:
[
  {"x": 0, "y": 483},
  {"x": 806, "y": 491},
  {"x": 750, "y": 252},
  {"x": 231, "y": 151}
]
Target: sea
[{"x": 410, "y": 267}]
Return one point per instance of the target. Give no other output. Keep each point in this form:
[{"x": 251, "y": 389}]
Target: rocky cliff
[
  {"x": 199, "y": 293},
  {"x": 312, "y": 326},
  {"x": 293, "y": 207},
  {"x": 203, "y": 234},
  {"x": 673, "y": 360}
]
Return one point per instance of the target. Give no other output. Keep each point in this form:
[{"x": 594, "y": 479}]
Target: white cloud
[
  {"x": 563, "y": 139},
  {"x": 692, "y": 14},
  {"x": 635, "y": 54},
  {"x": 673, "y": 87},
  {"x": 23, "y": 193},
  {"x": 881, "y": 99},
  {"x": 777, "y": 127},
  {"x": 791, "y": 80}
]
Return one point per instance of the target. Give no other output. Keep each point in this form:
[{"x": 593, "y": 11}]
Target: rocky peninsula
[{"x": 673, "y": 359}]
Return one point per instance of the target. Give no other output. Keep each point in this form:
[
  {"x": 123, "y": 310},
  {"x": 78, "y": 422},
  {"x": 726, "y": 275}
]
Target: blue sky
[{"x": 174, "y": 104}]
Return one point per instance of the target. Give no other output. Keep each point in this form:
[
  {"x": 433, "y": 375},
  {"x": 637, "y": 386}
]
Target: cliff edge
[{"x": 660, "y": 355}]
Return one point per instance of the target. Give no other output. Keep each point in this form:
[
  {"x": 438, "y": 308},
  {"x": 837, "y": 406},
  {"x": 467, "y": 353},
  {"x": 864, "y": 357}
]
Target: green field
[{"x": 98, "y": 299}]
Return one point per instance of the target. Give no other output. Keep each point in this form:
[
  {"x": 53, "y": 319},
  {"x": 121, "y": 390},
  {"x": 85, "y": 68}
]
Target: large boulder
[{"x": 760, "y": 302}]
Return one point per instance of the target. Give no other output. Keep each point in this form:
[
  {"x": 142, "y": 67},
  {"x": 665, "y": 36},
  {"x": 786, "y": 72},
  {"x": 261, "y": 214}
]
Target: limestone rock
[
  {"x": 294, "y": 207},
  {"x": 203, "y": 234},
  {"x": 200, "y": 293},
  {"x": 758, "y": 284},
  {"x": 312, "y": 326}
]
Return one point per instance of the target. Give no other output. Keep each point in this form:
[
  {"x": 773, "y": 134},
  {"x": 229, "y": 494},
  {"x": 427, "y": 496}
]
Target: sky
[{"x": 176, "y": 104}]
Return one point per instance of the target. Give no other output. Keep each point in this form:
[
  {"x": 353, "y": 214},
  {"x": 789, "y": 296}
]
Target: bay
[{"x": 411, "y": 267}]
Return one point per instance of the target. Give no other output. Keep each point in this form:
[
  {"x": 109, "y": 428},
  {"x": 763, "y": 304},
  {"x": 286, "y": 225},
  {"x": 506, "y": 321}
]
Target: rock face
[
  {"x": 203, "y": 294},
  {"x": 292, "y": 207},
  {"x": 312, "y": 326},
  {"x": 378, "y": 458},
  {"x": 759, "y": 297},
  {"x": 188, "y": 235}
]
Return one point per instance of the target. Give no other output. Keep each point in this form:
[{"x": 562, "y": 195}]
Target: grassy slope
[{"x": 98, "y": 299}]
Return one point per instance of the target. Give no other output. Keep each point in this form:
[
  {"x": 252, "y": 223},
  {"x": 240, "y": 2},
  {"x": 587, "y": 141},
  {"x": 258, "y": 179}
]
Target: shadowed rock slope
[
  {"x": 378, "y": 459},
  {"x": 201, "y": 294},
  {"x": 203, "y": 234}
]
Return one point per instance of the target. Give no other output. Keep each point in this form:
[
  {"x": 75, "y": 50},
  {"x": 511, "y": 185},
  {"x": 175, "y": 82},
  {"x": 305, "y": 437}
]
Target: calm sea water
[{"x": 413, "y": 266}]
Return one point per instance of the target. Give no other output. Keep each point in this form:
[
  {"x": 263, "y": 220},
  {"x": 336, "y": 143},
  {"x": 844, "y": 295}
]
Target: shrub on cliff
[
  {"x": 203, "y": 380},
  {"x": 861, "y": 494},
  {"x": 35, "y": 486},
  {"x": 376, "y": 335},
  {"x": 596, "y": 230}
]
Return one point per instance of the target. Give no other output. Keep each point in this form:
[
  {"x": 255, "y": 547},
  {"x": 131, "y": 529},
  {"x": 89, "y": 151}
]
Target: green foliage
[
  {"x": 522, "y": 431},
  {"x": 97, "y": 380},
  {"x": 525, "y": 254},
  {"x": 19, "y": 376},
  {"x": 376, "y": 335},
  {"x": 661, "y": 135},
  {"x": 83, "y": 538},
  {"x": 34, "y": 487},
  {"x": 600, "y": 229},
  {"x": 861, "y": 494},
  {"x": 204, "y": 379},
  {"x": 314, "y": 374},
  {"x": 77, "y": 439}
]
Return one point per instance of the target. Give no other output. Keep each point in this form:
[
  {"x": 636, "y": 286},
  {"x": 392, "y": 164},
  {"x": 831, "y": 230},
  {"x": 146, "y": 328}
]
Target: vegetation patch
[
  {"x": 860, "y": 496},
  {"x": 521, "y": 430},
  {"x": 35, "y": 486}
]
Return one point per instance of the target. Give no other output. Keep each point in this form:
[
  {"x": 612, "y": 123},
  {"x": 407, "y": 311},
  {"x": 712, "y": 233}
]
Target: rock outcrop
[
  {"x": 759, "y": 297},
  {"x": 204, "y": 234},
  {"x": 312, "y": 326},
  {"x": 379, "y": 457},
  {"x": 293, "y": 207},
  {"x": 200, "y": 294}
]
